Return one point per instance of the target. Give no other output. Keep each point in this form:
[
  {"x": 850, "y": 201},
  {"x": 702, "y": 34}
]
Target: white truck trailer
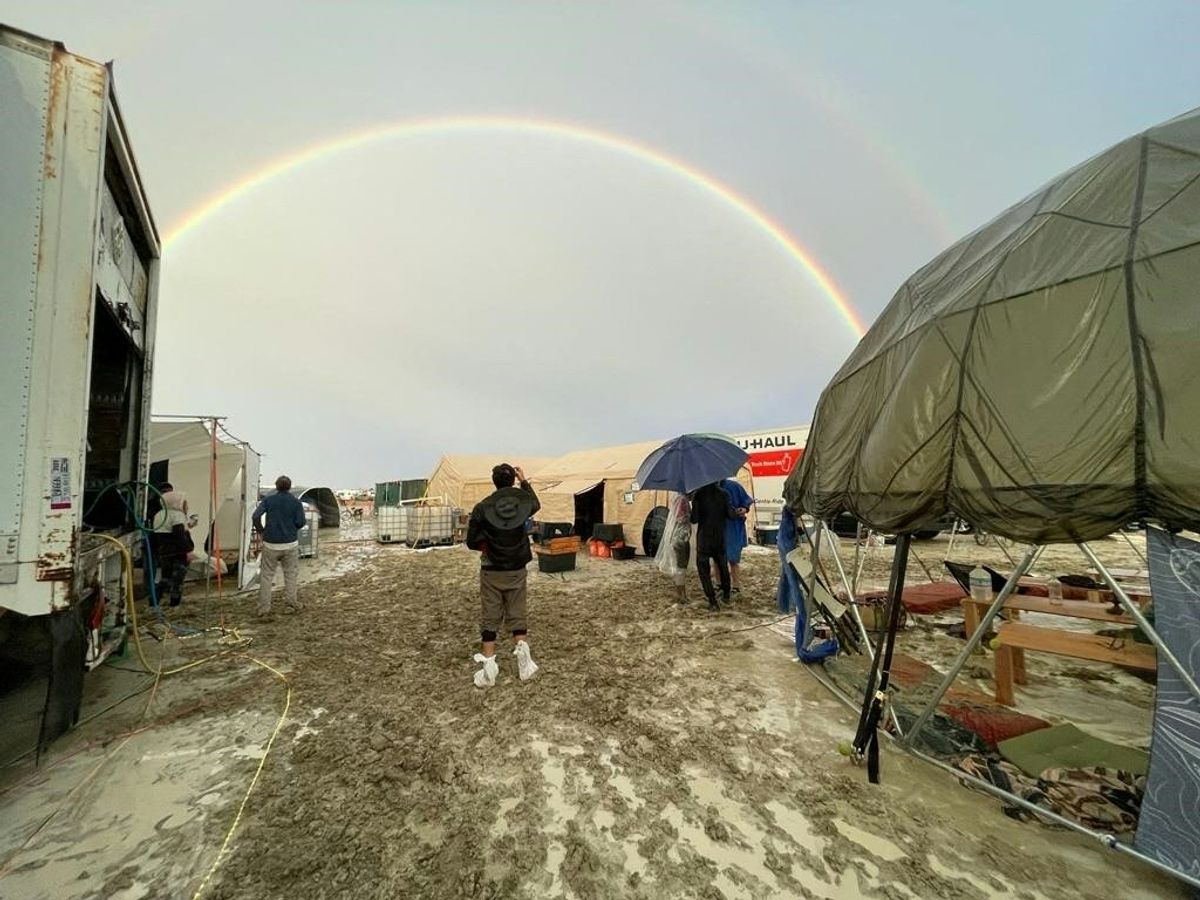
[
  {"x": 79, "y": 259},
  {"x": 774, "y": 452}
]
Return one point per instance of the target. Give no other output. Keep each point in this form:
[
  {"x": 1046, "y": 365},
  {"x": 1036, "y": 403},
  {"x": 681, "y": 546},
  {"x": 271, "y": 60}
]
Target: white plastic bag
[{"x": 674, "y": 550}]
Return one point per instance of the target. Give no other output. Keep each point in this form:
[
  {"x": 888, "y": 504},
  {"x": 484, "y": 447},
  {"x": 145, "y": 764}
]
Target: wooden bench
[
  {"x": 973, "y": 610},
  {"x": 1013, "y": 638}
]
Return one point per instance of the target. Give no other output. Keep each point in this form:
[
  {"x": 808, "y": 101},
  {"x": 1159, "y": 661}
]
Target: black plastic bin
[
  {"x": 610, "y": 534},
  {"x": 556, "y": 562}
]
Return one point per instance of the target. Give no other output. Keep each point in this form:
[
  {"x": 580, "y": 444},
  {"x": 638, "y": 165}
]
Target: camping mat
[
  {"x": 965, "y": 722},
  {"x": 1066, "y": 746},
  {"x": 921, "y": 599},
  {"x": 1102, "y": 799}
]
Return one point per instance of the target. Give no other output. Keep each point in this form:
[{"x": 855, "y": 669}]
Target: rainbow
[{"x": 542, "y": 128}]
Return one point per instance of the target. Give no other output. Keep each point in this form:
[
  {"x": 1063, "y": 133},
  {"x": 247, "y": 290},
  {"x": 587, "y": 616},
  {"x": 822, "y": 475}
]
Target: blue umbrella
[{"x": 689, "y": 462}]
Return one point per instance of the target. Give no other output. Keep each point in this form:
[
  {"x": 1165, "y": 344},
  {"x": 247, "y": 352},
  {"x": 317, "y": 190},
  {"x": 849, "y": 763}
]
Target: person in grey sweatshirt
[{"x": 278, "y": 519}]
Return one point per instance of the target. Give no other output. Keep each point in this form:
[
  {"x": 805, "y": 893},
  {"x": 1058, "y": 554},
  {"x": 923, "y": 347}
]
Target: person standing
[
  {"x": 284, "y": 516},
  {"x": 675, "y": 548},
  {"x": 711, "y": 509},
  {"x": 497, "y": 529},
  {"x": 172, "y": 544},
  {"x": 735, "y": 530}
]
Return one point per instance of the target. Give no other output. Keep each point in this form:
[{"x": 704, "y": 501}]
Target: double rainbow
[{"x": 542, "y": 128}]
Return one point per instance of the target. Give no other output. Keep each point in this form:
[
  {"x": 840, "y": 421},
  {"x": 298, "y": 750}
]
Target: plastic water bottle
[
  {"x": 1054, "y": 590},
  {"x": 981, "y": 585}
]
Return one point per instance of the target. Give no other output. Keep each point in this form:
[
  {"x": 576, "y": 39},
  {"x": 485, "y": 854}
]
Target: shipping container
[{"x": 393, "y": 493}]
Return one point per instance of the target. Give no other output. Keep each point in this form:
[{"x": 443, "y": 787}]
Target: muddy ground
[{"x": 660, "y": 752}]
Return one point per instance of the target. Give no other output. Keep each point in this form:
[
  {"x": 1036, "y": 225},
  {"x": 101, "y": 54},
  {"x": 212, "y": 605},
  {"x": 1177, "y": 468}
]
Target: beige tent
[
  {"x": 598, "y": 485},
  {"x": 463, "y": 479}
]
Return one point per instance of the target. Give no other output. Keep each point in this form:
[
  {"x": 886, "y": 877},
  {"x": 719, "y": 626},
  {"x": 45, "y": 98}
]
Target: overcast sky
[{"x": 497, "y": 291}]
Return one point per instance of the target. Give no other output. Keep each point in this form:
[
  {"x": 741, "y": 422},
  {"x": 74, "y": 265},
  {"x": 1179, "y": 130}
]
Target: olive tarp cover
[{"x": 1041, "y": 377}]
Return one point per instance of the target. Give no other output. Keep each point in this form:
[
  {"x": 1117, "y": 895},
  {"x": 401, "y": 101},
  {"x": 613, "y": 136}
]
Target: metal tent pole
[
  {"x": 1135, "y": 613},
  {"x": 862, "y": 629},
  {"x": 816, "y": 556},
  {"x": 1133, "y": 547},
  {"x": 953, "y": 535},
  {"x": 858, "y": 551},
  {"x": 985, "y": 623},
  {"x": 1003, "y": 549},
  {"x": 862, "y": 563}
]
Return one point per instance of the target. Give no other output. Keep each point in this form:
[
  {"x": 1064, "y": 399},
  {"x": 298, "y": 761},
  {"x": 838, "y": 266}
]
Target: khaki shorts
[{"x": 503, "y": 596}]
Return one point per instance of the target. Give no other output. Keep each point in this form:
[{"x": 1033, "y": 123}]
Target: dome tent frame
[{"x": 1038, "y": 380}]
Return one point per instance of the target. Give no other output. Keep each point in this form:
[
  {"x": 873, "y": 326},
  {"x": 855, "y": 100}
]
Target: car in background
[{"x": 844, "y": 524}]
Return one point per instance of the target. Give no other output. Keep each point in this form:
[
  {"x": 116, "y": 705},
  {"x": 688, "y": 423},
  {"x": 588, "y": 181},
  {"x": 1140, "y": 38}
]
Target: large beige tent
[
  {"x": 181, "y": 452},
  {"x": 463, "y": 479},
  {"x": 597, "y": 485}
]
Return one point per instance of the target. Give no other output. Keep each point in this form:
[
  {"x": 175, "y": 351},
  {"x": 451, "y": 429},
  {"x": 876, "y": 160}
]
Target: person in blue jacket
[
  {"x": 279, "y": 519},
  {"x": 735, "y": 529}
]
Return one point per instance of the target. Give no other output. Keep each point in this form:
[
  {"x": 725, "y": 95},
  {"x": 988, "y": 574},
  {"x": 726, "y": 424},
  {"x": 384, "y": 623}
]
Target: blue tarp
[{"x": 792, "y": 595}]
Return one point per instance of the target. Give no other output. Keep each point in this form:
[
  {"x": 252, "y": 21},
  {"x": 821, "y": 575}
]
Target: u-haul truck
[{"x": 773, "y": 454}]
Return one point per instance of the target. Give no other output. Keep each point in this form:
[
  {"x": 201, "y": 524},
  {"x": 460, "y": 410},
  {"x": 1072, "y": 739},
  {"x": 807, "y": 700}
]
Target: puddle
[
  {"x": 706, "y": 790},
  {"x": 634, "y": 861},
  {"x": 797, "y": 826},
  {"x": 877, "y": 846},
  {"x": 500, "y": 826},
  {"x": 171, "y": 754},
  {"x": 554, "y": 773},
  {"x": 979, "y": 884},
  {"x": 721, "y": 853},
  {"x": 306, "y": 728},
  {"x": 733, "y": 891}
]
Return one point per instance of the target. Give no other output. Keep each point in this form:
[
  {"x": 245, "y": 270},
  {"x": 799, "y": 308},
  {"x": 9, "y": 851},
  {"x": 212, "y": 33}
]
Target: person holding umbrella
[
  {"x": 711, "y": 509},
  {"x": 698, "y": 463}
]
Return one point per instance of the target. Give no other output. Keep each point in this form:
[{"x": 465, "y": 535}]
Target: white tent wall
[
  {"x": 252, "y": 465},
  {"x": 187, "y": 448}
]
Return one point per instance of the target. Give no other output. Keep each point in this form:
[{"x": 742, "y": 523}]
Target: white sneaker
[
  {"x": 525, "y": 664},
  {"x": 486, "y": 677}
]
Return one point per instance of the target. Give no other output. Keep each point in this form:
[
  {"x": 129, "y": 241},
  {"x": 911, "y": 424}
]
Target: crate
[
  {"x": 563, "y": 544},
  {"x": 546, "y": 531},
  {"x": 391, "y": 524},
  {"x": 609, "y": 533},
  {"x": 555, "y": 562},
  {"x": 431, "y": 526}
]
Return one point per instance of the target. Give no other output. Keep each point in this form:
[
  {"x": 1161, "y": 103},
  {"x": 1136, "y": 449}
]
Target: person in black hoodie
[
  {"x": 711, "y": 509},
  {"x": 497, "y": 529}
]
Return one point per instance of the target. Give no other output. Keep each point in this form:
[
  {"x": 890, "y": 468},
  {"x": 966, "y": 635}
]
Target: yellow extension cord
[{"x": 159, "y": 673}]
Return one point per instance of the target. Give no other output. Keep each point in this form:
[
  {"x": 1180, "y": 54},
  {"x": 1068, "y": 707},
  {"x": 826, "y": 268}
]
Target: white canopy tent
[{"x": 219, "y": 475}]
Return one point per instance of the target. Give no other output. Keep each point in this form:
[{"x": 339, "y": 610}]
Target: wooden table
[{"x": 1015, "y": 637}]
